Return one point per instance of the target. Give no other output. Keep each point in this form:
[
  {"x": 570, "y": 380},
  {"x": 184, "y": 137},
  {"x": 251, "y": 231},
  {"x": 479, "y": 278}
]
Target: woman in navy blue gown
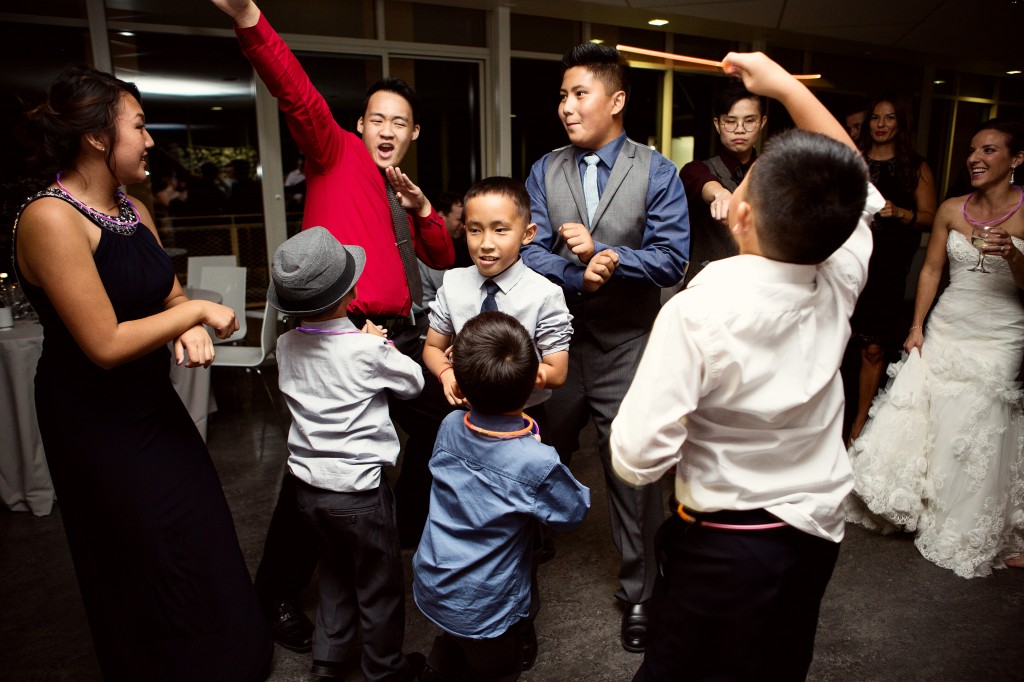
[{"x": 165, "y": 587}]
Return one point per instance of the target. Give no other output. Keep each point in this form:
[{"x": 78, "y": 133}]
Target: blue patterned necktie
[
  {"x": 489, "y": 303},
  {"x": 590, "y": 194}
]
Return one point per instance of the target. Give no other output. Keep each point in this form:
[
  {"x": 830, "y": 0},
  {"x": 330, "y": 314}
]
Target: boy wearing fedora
[{"x": 335, "y": 379}]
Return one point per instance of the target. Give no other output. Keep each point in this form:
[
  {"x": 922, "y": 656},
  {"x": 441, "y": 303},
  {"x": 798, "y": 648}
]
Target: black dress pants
[{"x": 735, "y": 605}]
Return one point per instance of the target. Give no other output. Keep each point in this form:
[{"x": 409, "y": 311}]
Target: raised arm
[
  {"x": 55, "y": 253},
  {"x": 762, "y": 76},
  {"x": 309, "y": 118}
]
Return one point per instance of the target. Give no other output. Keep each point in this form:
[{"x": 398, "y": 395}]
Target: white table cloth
[{"x": 24, "y": 478}]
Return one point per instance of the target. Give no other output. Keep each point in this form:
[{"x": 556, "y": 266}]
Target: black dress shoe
[
  {"x": 326, "y": 670},
  {"x": 529, "y": 637},
  {"x": 290, "y": 627},
  {"x": 634, "y": 627}
]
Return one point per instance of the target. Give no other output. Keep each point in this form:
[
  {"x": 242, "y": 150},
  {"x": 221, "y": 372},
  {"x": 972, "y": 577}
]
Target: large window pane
[
  {"x": 40, "y": 53},
  {"x": 447, "y": 156},
  {"x": 342, "y": 18},
  {"x": 536, "y": 129},
  {"x": 205, "y": 193},
  {"x": 420, "y": 23}
]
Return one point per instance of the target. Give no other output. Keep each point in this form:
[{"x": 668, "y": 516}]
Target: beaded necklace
[
  {"x": 127, "y": 215},
  {"x": 990, "y": 223},
  {"x": 529, "y": 427}
]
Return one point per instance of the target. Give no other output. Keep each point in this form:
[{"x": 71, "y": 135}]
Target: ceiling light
[
  {"x": 216, "y": 108},
  {"x": 127, "y": 34},
  {"x": 596, "y": 41},
  {"x": 658, "y": 22},
  {"x": 1013, "y": 72},
  {"x": 939, "y": 82}
]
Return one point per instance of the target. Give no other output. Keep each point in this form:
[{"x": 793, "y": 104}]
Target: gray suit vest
[{"x": 622, "y": 309}]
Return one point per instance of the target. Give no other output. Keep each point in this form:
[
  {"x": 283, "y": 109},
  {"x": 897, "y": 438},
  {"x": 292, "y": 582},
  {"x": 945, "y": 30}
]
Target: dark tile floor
[{"x": 888, "y": 614}]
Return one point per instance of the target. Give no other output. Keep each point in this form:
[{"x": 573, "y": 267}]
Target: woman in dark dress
[
  {"x": 165, "y": 587},
  {"x": 906, "y": 182}
]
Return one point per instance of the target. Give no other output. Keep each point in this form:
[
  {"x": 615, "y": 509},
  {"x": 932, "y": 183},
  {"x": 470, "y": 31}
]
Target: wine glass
[{"x": 979, "y": 238}]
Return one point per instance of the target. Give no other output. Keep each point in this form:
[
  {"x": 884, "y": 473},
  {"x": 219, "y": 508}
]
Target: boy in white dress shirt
[{"x": 739, "y": 390}]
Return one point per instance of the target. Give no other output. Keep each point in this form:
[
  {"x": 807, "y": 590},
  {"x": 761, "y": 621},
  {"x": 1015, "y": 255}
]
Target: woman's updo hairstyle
[{"x": 81, "y": 101}]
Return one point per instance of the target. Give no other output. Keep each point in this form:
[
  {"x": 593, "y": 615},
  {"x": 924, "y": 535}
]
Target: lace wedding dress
[{"x": 943, "y": 452}]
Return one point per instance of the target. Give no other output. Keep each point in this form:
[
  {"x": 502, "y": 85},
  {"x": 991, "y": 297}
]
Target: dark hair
[
  {"x": 495, "y": 363},
  {"x": 444, "y": 202},
  {"x": 400, "y": 88},
  {"x": 604, "y": 62},
  {"x": 1014, "y": 131},
  {"x": 808, "y": 191},
  {"x": 81, "y": 101},
  {"x": 513, "y": 190},
  {"x": 908, "y": 163},
  {"x": 734, "y": 92}
]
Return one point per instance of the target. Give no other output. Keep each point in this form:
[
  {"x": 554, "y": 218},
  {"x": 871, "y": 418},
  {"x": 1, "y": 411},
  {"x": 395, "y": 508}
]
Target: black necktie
[
  {"x": 489, "y": 303},
  {"x": 403, "y": 240}
]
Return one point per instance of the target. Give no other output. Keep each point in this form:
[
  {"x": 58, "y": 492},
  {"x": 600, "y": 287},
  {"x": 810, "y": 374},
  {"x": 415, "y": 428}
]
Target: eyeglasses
[{"x": 731, "y": 125}]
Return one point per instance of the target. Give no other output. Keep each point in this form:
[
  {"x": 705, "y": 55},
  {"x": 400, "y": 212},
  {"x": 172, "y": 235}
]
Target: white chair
[
  {"x": 197, "y": 263},
  {"x": 251, "y": 358},
  {"x": 229, "y": 282}
]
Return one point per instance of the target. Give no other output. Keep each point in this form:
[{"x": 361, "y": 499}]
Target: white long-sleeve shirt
[{"x": 739, "y": 388}]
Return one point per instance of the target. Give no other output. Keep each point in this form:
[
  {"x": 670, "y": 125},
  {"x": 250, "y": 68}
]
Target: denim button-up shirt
[{"x": 471, "y": 572}]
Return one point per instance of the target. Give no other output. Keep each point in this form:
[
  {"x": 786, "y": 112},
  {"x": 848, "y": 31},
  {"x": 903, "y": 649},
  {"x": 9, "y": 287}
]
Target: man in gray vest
[
  {"x": 612, "y": 231},
  {"x": 739, "y": 119}
]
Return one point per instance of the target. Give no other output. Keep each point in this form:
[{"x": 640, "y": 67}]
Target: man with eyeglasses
[{"x": 739, "y": 118}]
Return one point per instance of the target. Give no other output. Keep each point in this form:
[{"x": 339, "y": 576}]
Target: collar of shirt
[
  {"x": 748, "y": 268},
  {"x": 505, "y": 280},
  {"x": 496, "y": 422},
  {"x": 341, "y": 324},
  {"x": 607, "y": 153}
]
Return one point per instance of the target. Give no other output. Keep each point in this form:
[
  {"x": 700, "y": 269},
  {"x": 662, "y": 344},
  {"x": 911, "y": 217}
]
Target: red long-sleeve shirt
[{"x": 345, "y": 189}]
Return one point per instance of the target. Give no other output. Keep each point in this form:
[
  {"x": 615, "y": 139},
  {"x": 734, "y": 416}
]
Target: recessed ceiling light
[
  {"x": 216, "y": 108},
  {"x": 939, "y": 82},
  {"x": 658, "y": 22},
  {"x": 127, "y": 34},
  {"x": 1013, "y": 72},
  {"x": 596, "y": 41}
]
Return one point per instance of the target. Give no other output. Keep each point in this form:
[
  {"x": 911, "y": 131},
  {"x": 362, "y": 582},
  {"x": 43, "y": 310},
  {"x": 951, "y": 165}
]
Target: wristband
[
  {"x": 441, "y": 373},
  {"x": 916, "y": 326}
]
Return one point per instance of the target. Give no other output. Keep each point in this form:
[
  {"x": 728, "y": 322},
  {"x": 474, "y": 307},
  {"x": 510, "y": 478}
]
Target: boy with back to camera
[
  {"x": 496, "y": 216},
  {"x": 739, "y": 389},
  {"x": 493, "y": 480},
  {"x": 335, "y": 379}
]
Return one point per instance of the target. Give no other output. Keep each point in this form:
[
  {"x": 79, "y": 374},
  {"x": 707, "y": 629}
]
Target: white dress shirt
[
  {"x": 336, "y": 389},
  {"x": 739, "y": 388}
]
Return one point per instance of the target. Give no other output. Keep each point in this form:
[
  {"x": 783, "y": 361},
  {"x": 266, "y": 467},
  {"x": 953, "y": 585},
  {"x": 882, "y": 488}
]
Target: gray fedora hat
[{"x": 311, "y": 272}]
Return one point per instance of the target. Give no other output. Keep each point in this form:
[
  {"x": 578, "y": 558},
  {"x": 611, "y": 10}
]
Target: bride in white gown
[{"x": 943, "y": 452}]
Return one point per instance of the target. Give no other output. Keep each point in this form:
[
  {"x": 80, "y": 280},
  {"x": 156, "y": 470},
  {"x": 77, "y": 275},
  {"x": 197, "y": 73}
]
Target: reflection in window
[
  {"x": 421, "y": 23},
  {"x": 205, "y": 192},
  {"x": 41, "y": 53}
]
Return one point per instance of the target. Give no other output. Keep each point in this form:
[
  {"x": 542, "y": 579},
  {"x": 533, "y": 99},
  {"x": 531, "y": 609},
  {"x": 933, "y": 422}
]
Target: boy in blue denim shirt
[{"x": 493, "y": 479}]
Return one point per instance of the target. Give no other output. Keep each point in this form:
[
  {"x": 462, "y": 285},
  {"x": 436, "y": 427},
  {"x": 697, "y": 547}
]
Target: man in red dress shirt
[{"x": 347, "y": 193}]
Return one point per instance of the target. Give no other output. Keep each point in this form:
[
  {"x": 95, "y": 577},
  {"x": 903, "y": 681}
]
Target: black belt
[
  {"x": 751, "y": 519},
  {"x": 389, "y": 323}
]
